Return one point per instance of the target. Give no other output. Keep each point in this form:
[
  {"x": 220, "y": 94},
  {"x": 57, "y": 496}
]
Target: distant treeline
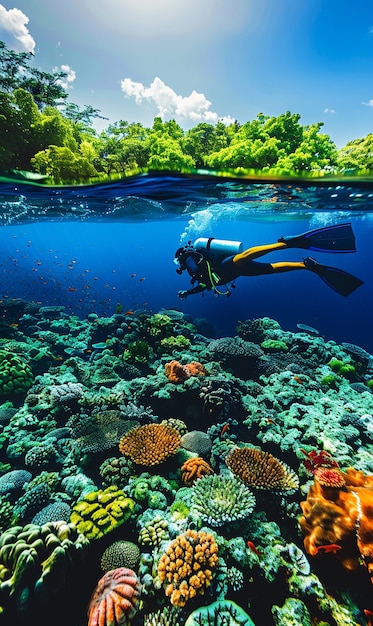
[{"x": 41, "y": 131}]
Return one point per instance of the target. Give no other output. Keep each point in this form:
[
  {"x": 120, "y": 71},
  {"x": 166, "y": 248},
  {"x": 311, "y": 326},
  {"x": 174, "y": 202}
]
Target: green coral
[
  {"x": 15, "y": 375},
  {"x": 343, "y": 369},
  {"x": 329, "y": 380},
  {"x": 273, "y": 345},
  {"x": 218, "y": 614},
  {"x": 160, "y": 325},
  {"x": 101, "y": 511},
  {"x": 137, "y": 352},
  {"x": 220, "y": 500},
  {"x": 178, "y": 342}
]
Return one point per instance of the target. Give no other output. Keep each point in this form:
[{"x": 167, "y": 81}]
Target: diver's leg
[
  {"x": 288, "y": 266},
  {"x": 255, "y": 252},
  {"x": 256, "y": 268}
]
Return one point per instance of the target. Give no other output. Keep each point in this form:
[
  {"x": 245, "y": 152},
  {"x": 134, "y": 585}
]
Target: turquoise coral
[{"x": 220, "y": 500}]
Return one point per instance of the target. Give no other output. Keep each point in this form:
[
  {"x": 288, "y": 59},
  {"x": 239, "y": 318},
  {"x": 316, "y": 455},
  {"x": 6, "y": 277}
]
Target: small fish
[
  {"x": 133, "y": 275},
  {"x": 14, "y": 325},
  {"x": 141, "y": 279},
  {"x": 308, "y": 329},
  {"x": 299, "y": 380},
  {"x": 270, "y": 421},
  {"x": 224, "y": 429},
  {"x": 129, "y": 312},
  {"x": 369, "y": 615},
  {"x": 71, "y": 289},
  {"x": 329, "y": 548},
  {"x": 253, "y": 548}
]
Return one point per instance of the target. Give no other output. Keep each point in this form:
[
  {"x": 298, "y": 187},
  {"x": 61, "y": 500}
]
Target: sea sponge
[
  {"x": 36, "y": 561},
  {"x": 99, "y": 512},
  {"x": 15, "y": 375},
  {"x": 178, "y": 373},
  {"x": 114, "y": 599},
  {"x": 193, "y": 469},
  {"x": 262, "y": 470},
  {"x": 338, "y": 519},
  {"x": 220, "y": 500},
  {"x": 150, "y": 444},
  {"x": 188, "y": 566}
]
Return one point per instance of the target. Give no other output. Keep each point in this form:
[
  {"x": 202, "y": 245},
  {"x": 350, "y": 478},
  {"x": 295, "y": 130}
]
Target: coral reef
[
  {"x": 120, "y": 554},
  {"x": 150, "y": 444},
  {"x": 193, "y": 469},
  {"x": 221, "y": 500},
  {"x": 178, "y": 373},
  {"x": 261, "y": 469},
  {"x": 187, "y": 567},
  {"x": 113, "y": 602},
  {"x": 99, "y": 512},
  {"x": 15, "y": 375}
]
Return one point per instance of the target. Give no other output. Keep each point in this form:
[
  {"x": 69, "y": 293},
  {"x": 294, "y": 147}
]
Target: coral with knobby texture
[
  {"x": 193, "y": 469},
  {"x": 120, "y": 554},
  {"x": 15, "y": 375},
  {"x": 234, "y": 347},
  {"x": 220, "y": 613},
  {"x": 42, "y": 455},
  {"x": 188, "y": 566},
  {"x": 116, "y": 471},
  {"x": 54, "y": 512},
  {"x": 36, "y": 561},
  {"x": 178, "y": 373},
  {"x": 176, "y": 423},
  {"x": 262, "y": 470},
  {"x": 99, "y": 512},
  {"x": 338, "y": 521},
  {"x": 14, "y": 481},
  {"x": 220, "y": 500},
  {"x": 169, "y": 616},
  {"x": 154, "y": 532},
  {"x": 150, "y": 444},
  {"x": 114, "y": 599}
]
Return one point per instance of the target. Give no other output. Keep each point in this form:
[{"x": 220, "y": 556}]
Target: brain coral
[
  {"x": 220, "y": 500},
  {"x": 101, "y": 511},
  {"x": 120, "y": 554},
  {"x": 35, "y": 562},
  {"x": 99, "y": 432},
  {"x": 150, "y": 444},
  {"x": 261, "y": 469},
  {"x": 14, "y": 481},
  {"x": 193, "y": 469},
  {"x": 188, "y": 566},
  {"x": 15, "y": 375},
  {"x": 113, "y": 601}
]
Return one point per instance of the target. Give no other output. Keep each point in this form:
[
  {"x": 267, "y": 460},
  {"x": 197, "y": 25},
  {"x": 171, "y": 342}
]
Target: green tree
[
  {"x": 61, "y": 164},
  {"x": 203, "y": 139},
  {"x": 357, "y": 154}
]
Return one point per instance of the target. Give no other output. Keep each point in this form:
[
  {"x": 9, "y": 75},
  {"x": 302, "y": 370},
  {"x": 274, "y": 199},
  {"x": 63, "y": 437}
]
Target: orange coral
[
  {"x": 113, "y": 601},
  {"x": 261, "y": 469},
  {"x": 193, "y": 469},
  {"x": 187, "y": 566},
  {"x": 178, "y": 373},
  {"x": 150, "y": 444},
  {"x": 342, "y": 516}
]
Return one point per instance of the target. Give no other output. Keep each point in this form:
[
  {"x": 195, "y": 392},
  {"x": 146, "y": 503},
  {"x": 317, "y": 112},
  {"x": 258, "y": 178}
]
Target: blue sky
[{"x": 204, "y": 60}]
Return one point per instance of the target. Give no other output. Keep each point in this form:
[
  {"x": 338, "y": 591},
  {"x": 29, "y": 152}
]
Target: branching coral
[
  {"x": 188, "y": 566},
  {"x": 261, "y": 469},
  {"x": 114, "y": 599},
  {"x": 99, "y": 512},
  {"x": 220, "y": 500},
  {"x": 193, "y": 469},
  {"x": 150, "y": 444}
]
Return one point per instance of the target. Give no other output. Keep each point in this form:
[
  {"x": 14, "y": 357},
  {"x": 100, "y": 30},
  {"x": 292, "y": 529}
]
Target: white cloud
[
  {"x": 69, "y": 79},
  {"x": 329, "y": 111},
  {"x": 194, "y": 107},
  {"x": 369, "y": 103},
  {"x": 13, "y": 30}
]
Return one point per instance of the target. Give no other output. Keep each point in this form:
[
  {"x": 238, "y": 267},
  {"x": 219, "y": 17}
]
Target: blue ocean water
[{"x": 93, "y": 248}]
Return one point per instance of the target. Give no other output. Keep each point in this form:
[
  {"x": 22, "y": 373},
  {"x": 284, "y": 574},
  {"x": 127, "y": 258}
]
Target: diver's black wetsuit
[{"x": 213, "y": 274}]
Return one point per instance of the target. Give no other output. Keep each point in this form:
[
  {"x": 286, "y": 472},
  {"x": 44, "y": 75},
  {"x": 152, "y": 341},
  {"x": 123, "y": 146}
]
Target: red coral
[
  {"x": 113, "y": 601},
  {"x": 178, "y": 373},
  {"x": 317, "y": 459}
]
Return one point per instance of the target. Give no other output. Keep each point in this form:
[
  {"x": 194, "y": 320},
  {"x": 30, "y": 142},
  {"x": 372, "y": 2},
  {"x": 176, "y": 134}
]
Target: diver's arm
[{"x": 190, "y": 292}]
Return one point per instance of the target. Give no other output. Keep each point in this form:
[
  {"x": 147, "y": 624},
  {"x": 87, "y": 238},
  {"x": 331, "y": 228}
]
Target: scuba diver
[{"x": 213, "y": 263}]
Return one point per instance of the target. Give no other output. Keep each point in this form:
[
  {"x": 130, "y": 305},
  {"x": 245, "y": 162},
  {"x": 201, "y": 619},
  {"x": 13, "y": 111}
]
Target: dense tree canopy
[{"x": 40, "y": 130}]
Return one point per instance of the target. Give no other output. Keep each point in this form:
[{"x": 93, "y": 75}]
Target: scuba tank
[{"x": 217, "y": 249}]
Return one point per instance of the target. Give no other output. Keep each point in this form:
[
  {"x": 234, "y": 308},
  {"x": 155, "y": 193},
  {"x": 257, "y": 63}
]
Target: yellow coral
[
  {"x": 101, "y": 511},
  {"x": 150, "y": 444},
  {"x": 188, "y": 566}
]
